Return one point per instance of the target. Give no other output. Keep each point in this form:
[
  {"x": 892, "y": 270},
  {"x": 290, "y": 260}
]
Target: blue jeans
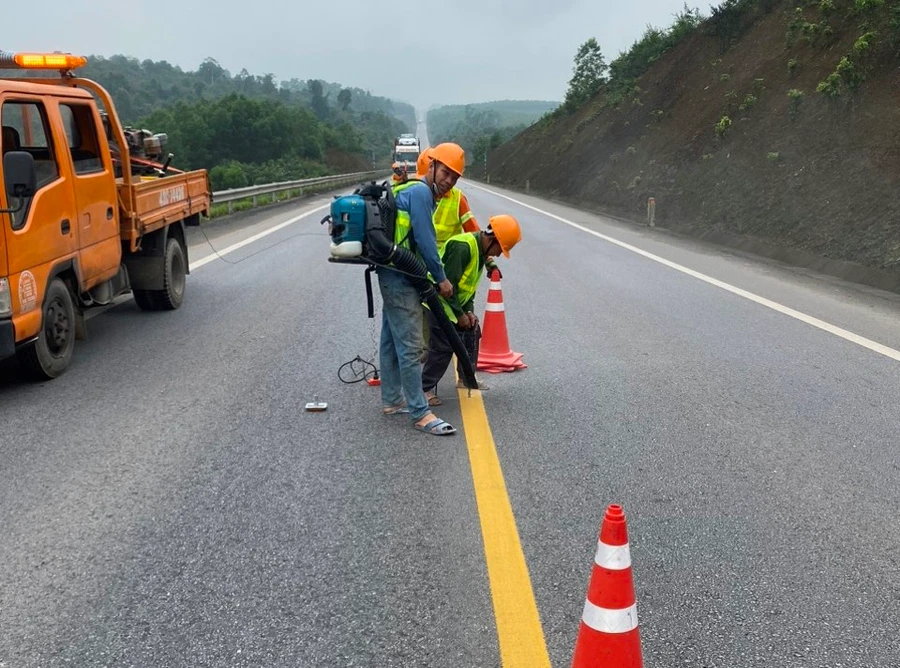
[{"x": 401, "y": 344}]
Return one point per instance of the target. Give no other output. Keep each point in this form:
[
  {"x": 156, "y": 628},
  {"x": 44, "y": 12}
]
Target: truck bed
[{"x": 148, "y": 205}]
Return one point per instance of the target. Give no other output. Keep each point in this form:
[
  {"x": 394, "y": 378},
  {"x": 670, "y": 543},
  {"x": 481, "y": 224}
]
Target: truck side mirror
[{"x": 19, "y": 174}]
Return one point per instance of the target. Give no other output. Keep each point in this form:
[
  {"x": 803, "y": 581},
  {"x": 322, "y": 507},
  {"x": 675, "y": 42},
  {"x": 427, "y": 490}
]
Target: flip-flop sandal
[
  {"x": 395, "y": 410},
  {"x": 433, "y": 400},
  {"x": 437, "y": 427}
]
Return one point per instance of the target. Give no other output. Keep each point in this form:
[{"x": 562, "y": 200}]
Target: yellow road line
[{"x": 515, "y": 610}]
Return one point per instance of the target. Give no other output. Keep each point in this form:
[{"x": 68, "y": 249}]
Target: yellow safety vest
[
  {"x": 402, "y": 223},
  {"x": 447, "y": 221},
  {"x": 468, "y": 282}
]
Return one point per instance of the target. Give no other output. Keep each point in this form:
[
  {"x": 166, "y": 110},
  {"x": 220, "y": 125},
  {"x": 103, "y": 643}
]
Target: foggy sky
[{"x": 421, "y": 53}]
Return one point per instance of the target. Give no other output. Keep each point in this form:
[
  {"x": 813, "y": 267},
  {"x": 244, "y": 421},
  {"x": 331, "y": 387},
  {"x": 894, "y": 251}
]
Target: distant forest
[
  {"x": 248, "y": 129},
  {"x": 480, "y": 128}
]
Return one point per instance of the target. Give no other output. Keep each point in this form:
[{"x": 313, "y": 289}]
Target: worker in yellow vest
[
  {"x": 452, "y": 215},
  {"x": 463, "y": 257}
]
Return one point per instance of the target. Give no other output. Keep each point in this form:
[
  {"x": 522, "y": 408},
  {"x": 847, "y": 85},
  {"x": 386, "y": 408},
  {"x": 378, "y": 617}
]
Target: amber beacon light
[{"x": 41, "y": 61}]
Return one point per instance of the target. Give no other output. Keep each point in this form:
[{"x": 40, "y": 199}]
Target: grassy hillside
[{"x": 771, "y": 119}]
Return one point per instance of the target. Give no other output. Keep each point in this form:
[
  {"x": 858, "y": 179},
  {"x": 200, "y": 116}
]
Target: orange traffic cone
[
  {"x": 494, "y": 355},
  {"x": 608, "y": 635}
]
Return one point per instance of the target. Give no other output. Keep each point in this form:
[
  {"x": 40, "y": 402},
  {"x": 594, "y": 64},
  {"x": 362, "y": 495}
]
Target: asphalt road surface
[{"x": 169, "y": 502}]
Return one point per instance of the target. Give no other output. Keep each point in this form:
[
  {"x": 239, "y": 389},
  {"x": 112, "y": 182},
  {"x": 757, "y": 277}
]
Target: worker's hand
[
  {"x": 462, "y": 321},
  {"x": 445, "y": 287},
  {"x": 491, "y": 268},
  {"x": 473, "y": 320}
]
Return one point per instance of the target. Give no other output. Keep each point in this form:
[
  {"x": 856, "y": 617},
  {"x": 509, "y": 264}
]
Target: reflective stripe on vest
[
  {"x": 468, "y": 282},
  {"x": 446, "y": 218},
  {"x": 401, "y": 222}
]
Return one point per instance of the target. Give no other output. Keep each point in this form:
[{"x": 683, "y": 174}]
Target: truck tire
[
  {"x": 146, "y": 300},
  {"x": 49, "y": 356},
  {"x": 174, "y": 273}
]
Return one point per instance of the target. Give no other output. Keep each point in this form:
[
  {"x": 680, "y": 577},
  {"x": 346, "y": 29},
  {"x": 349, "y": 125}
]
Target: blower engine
[
  {"x": 361, "y": 226},
  {"x": 145, "y": 144},
  {"x": 348, "y": 226},
  {"x": 148, "y": 158}
]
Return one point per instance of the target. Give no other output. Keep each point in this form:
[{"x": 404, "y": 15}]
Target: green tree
[
  {"x": 319, "y": 102},
  {"x": 589, "y": 74},
  {"x": 344, "y": 98},
  {"x": 210, "y": 71},
  {"x": 228, "y": 175}
]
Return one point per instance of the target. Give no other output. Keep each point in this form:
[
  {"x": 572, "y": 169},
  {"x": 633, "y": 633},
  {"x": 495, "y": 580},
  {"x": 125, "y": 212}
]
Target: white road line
[
  {"x": 206, "y": 259},
  {"x": 768, "y": 303}
]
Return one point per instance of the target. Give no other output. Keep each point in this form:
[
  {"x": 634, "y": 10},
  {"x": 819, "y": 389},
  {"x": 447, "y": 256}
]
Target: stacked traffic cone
[
  {"x": 494, "y": 354},
  {"x": 608, "y": 635}
]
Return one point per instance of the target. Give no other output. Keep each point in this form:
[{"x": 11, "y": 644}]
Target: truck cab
[
  {"x": 72, "y": 234},
  {"x": 406, "y": 151}
]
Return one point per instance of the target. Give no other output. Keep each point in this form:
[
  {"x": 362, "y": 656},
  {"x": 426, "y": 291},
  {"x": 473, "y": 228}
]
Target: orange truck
[{"x": 82, "y": 222}]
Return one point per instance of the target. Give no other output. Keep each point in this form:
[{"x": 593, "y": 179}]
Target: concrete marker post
[{"x": 651, "y": 211}]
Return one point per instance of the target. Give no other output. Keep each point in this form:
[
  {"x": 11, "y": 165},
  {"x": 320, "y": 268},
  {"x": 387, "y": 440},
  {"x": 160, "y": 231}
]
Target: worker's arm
[
  {"x": 469, "y": 224},
  {"x": 466, "y": 217},
  {"x": 456, "y": 259},
  {"x": 421, "y": 211}
]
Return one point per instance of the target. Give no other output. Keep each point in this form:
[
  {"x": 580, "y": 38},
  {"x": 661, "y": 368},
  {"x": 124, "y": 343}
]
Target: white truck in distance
[{"x": 406, "y": 151}]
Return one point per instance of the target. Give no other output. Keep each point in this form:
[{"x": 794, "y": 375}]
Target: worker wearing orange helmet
[
  {"x": 423, "y": 162},
  {"x": 453, "y": 215},
  {"x": 402, "y": 314},
  {"x": 399, "y": 172},
  {"x": 463, "y": 257}
]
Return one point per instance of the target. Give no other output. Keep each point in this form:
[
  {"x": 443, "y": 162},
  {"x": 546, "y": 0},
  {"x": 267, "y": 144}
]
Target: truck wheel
[
  {"x": 174, "y": 272},
  {"x": 146, "y": 300},
  {"x": 50, "y": 355}
]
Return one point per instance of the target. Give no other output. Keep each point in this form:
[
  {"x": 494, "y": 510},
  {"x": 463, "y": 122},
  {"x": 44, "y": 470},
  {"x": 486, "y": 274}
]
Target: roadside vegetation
[{"x": 249, "y": 129}]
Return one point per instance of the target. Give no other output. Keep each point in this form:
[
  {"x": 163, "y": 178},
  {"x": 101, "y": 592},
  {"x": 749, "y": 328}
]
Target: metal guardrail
[{"x": 252, "y": 192}]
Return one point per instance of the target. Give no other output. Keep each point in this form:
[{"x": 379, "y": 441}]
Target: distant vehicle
[
  {"x": 87, "y": 212},
  {"x": 408, "y": 155},
  {"x": 406, "y": 151}
]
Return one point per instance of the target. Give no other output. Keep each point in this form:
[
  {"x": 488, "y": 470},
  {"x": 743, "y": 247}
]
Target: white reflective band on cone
[
  {"x": 613, "y": 557},
  {"x": 495, "y": 285},
  {"x": 494, "y": 308},
  {"x": 605, "y": 620}
]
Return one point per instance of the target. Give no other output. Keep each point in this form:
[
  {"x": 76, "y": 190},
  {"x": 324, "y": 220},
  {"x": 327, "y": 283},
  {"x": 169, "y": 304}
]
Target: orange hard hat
[
  {"x": 506, "y": 230},
  {"x": 424, "y": 161},
  {"x": 450, "y": 155}
]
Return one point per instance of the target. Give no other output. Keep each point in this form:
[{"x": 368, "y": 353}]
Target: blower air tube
[{"x": 383, "y": 251}]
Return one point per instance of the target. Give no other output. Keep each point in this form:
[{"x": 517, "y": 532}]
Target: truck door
[
  {"x": 95, "y": 193},
  {"x": 44, "y": 232}
]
